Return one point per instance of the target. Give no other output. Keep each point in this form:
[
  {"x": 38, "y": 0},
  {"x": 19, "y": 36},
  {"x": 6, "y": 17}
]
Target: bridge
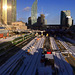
[{"x": 44, "y": 27}]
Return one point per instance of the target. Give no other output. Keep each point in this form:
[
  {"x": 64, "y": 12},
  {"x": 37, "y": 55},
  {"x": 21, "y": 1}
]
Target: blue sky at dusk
[{"x": 51, "y": 9}]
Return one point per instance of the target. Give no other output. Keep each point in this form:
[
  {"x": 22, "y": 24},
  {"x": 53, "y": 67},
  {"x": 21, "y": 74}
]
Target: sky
[{"x": 51, "y": 8}]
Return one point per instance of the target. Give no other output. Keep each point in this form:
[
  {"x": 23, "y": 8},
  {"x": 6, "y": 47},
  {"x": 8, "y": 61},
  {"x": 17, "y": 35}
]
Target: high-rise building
[
  {"x": 66, "y": 19},
  {"x": 69, "y": 21},
  {"x": 13, "y": 10},
  {"x": 34, "y": 13},
  {"x": 45, "y": 22},
  {"x": 0, "y": 10},
  {"x": 8, "y": 11},
  {"x": 29, "y": 21},
  {"x": 41, "y": 20}
]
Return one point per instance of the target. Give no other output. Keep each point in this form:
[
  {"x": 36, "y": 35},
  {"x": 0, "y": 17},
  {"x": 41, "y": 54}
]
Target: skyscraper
[
  {"x": 29, "y": 21},
  {"x": 34, "y": 13},
  {"x": 41, "y": 19},
  {"x": 0, "y": 10},
  {"x": 8, "y": 11},
  {"x": 66, "y": 18},
  {"x": 13, "y": 10}
]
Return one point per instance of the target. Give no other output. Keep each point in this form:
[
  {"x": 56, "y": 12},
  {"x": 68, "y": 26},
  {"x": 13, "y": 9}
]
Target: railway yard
[{"x": 39, "y": 55}]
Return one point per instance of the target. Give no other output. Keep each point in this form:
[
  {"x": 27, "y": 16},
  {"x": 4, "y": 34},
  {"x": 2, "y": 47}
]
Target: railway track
[
  {"x": 68, "y": 57},
  {"x": 62, "y": 67},
  {"x": 27, "y": 63},
  {"x": 53, "y": 44},
  {"x": 22, "y": 63},
  {"x": 14, "y": 60},
  {"x": 71, "y": 61},
  {"x": 61, "y": 47},
  {"x": 47, "y": 43},
  {"x": 13, "y": 50}
]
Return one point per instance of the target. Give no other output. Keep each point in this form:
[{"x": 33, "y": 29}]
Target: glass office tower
[
  {"x": 8, "y": 11},
  {"x": 0, "y": 10},
  {"x": 13, "y": 10},
  {"x": 34, "y": 13},
  {"x": 64, "y": 15}
]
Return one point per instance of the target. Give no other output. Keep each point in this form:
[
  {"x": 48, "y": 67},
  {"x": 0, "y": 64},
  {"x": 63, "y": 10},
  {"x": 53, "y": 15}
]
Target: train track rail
[
  {"x": 8, "y": 66},
  {"x": 68, "y": 57},
  {"x": 53, "y": 44},
  {"x": 71, "y": 61},
  {"x": 60, "y": 63},
  {"x": 64, "y": 68},
  {"x": 22, "y": 63},
  {"x": 13, "y": 50},
  {"x": 47, "y": 43},
  {"x": 61, "y": 47}
]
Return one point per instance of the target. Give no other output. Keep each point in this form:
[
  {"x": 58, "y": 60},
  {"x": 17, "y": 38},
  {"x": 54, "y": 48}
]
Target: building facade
[
  {"x": 34, "y": 13},
  {"x": 20, "y": 26},
  {"x": 45, "y": 21},
  {"x": 29, "y": 21},
  {"x": 66, "y": 19},
  {"x": 0, "y": 10},
  {"x": 13, "y": 10},
  {"x": 69, "y": 21},
  {"x": 8, "y": 11},
  {"x": 41, "y": 20}
]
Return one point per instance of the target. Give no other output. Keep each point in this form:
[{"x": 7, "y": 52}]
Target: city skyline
[{"x": 51, "y": 9}]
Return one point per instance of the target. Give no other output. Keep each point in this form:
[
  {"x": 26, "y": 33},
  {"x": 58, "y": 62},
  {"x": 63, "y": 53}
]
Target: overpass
[{"x": 45, "y": 27}]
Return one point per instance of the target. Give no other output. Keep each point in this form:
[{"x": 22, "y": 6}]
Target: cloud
[
  {"x": 46, "y": 14},
  {"x": 27, "y": 8},
  {"x": 22, "y": 19}
]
